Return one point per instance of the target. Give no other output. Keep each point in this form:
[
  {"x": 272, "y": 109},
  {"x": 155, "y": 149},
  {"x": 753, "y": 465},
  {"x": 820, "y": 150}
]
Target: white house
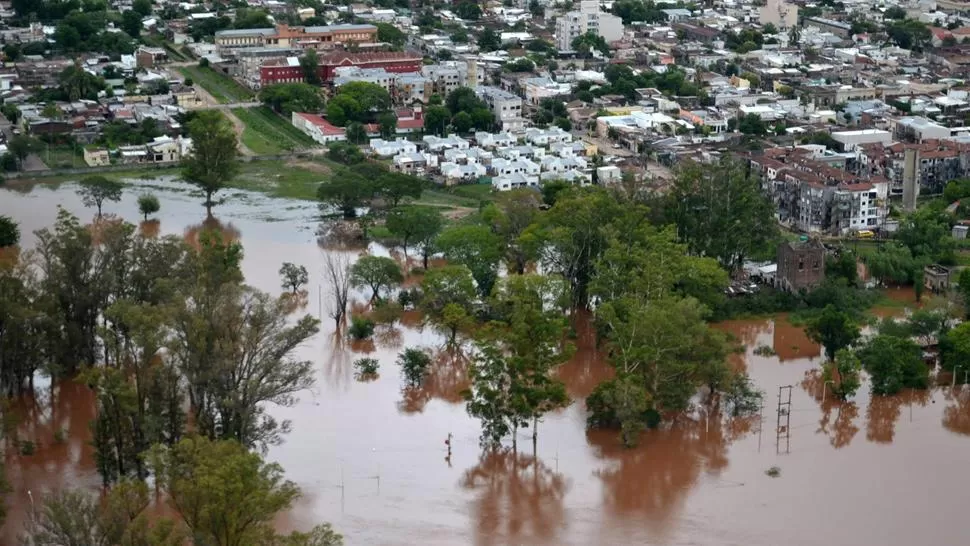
[
  {"x": 317, "y": 128},
  {"x": 455, "y": 172},
  {"x": 494, "y": 140},
  {"x": 545, "y": 137},
  {"x": 513, "y": 181},
  {"x": 588, "y": 18},
  {"x": 437, "y": 144},
  {"x": 505, "y": 167},
  {"x": 391, "y": 148}
]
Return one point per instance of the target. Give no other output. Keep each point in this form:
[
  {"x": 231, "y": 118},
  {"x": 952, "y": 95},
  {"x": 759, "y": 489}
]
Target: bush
[
  {"x": 386, "y": 312},
  {"x": 414, "y": 364},
  {"x": 27, "y": 447},
  {"x": 408, "y": 298},
  {"x": 9, "y": 232},
  {"x": 361, "y": 328},
  {"x": 60, "y": 435},
  {"x": 366, "y": 367}
]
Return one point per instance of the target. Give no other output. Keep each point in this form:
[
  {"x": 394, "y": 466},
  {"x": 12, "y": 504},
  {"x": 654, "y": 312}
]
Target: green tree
[
  {"x": 286, "y": 98},
  {"x": 893, "y": 364},
  {"x": 9, "y": 232},
  {"x": 436, "y": 120},
  {"x": 310, "y": 64},
  {"x": 508, "y": 217},
  {"x": 489, "y": 40},
  {"x": 376, "y": 272},
  {"x": 720, "y": 211},
  {"x": 955, "y": 348},
  {"x": 963, "y": 286},
  {"x": 468, "y": 10},
  {"x": 356, "y": 133},
  {"x": 448, "y": 294},
  {"x": 414, "y": 365},
  {"x": 393, "y": 187},
  {"x": 387, "y": 122},
  {"x": 462, "y": 122},
  {"x": 843, "y": 373},
  {"x": 751, "y": 124},
  {"x": 586, "y": 44},
  {"x": 833, "y": 330},
  {"x": 414, "y": 226},
  {"x": 148, "y": 204},
  {"x": 390, "y": 34},
  {"x": 213, "y": 161},
  {"x": 20, "y": 147},
  {"x": 294, "y": 276},
  {"x": 95, "y": 190},
  {"x": 346, "y": 191},
  {"x": 475, "y": 247},
  {"x": 131, "y": 23},
  {"x": 568, "y": 238},
  {"x": 621, "y": 403},
  {"x": 511, "y": 379},
  {"x": 233, "y": 346},
  {"x": 228, "y": 496}
]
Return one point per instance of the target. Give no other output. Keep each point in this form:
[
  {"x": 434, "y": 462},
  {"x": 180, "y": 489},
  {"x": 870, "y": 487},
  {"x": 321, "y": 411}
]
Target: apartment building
[
  {"x": 505, "y": 106},
  {"x": 588, "y": 18}
]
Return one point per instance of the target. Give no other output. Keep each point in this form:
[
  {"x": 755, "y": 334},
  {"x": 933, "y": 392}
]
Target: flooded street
[{"x": 372, "y": 460}]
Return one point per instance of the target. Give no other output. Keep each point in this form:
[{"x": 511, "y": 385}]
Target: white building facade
[{"x": 589, "y": 18}]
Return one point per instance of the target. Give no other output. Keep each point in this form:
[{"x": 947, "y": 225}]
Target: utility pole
[{"x": 783, "y": 425}]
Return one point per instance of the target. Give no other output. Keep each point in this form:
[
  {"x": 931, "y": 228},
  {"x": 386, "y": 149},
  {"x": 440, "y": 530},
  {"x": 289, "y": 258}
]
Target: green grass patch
[
  {"x": 278, "y": 179},
  {"x": 222, "y": 88},
  {"x": 267, "y": 133},
  {"x": 62, "y": 156},
  {"x": 469, "y": 196}
]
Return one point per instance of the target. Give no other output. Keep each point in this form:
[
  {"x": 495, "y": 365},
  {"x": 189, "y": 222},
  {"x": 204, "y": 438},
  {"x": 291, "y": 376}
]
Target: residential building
[
  {"x": 936, "y": 278},
  {"x": 589, "y": 18},
  {"x": 288, "y": 69},
  {"x": 391, "y": 148},
  {"x": 505, "y": 106},
  {"x": 801, "y": 265},
  {"x": 317, "y": 128}
]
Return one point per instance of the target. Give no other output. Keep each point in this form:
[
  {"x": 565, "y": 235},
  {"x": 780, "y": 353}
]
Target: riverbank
[{"x": 296, "y": 177}]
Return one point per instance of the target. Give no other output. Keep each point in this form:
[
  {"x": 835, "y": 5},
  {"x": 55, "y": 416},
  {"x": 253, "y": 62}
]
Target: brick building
[
  {"x": 288, "y": 70},
  {"x": 285, "y": 36},
  {"x": 801, "y": 265}
]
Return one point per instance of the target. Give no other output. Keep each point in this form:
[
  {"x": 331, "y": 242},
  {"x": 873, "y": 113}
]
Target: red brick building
[{"x": 288, "y": 70}]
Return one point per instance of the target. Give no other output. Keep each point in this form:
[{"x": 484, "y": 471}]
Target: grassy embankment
[
  {"x": 267, "y": 133},
  {"x": 222, "y": 88}
]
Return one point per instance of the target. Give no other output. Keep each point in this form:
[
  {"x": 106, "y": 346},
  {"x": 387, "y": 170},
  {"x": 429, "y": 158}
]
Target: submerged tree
[
  {"x": 833, "y": 330},
  {"x": 148, "y": 204},
  {"x": 9, "y": 232}
]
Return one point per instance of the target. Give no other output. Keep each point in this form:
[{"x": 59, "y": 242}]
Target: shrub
[
  {"x": 27, "y": 447},
  {"x": 408, "y": 298},
  {"x": 361, "y": 328},
  {"x": 366, "y": 367},
  {"x": 414, "y": 364},
  {"x": 60, "y": 435},
  {"x": 386, "y": 312}
]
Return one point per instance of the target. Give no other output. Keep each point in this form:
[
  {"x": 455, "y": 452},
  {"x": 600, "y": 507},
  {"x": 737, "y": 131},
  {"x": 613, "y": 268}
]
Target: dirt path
[{"x": 209, "y": 102}]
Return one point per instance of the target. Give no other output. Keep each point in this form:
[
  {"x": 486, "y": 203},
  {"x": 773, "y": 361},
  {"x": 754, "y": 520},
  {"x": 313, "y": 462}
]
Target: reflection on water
[
  {"x": 518, "y": 499},
  {"x": 697, "y": 481},
  {"x": 150, "y": 228},
  {"x": 228, "y": 232}
]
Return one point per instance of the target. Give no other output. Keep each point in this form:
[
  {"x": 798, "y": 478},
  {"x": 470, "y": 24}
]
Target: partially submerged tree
[
  {"x": 95, "y": 190},
  {"x": 336, "y": 272},
  {"x": 376, "y": 272},
  {"x": 833, "y": 330},
  {"x": 148, "y": 204},
  {"x": 294, "y": 276},
  {"x": 228, "y": 496},
  {"x": 415, "y": 226},
  {"x": 213, "y": 162}
]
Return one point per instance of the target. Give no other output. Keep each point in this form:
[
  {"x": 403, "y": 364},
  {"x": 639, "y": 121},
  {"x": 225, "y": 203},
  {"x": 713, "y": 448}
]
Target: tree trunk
[{"x": 208, "y": 202}]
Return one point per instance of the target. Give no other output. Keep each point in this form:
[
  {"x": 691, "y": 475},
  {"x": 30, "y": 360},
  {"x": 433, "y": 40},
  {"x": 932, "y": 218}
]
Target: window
[{"x": 801, "y": 265}]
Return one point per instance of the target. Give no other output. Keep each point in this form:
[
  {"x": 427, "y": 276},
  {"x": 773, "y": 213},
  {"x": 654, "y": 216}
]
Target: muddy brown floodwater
[{"x": 371, "y": 459}]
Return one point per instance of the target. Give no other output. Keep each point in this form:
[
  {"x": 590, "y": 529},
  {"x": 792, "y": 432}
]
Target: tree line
[{"x": 150, "y": 324}]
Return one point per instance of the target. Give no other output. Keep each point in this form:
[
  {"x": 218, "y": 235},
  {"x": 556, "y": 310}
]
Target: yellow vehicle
[{"x": 865, "y": 234}]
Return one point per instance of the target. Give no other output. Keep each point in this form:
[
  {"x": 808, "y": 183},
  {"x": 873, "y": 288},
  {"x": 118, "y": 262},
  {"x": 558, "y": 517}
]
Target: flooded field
[{"x": 372, "y": 460}]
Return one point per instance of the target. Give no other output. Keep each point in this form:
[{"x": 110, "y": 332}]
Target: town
[{"x": 597, "y": 228}]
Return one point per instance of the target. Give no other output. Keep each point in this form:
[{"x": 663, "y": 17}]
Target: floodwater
[{"x": 371, "y": 459}]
